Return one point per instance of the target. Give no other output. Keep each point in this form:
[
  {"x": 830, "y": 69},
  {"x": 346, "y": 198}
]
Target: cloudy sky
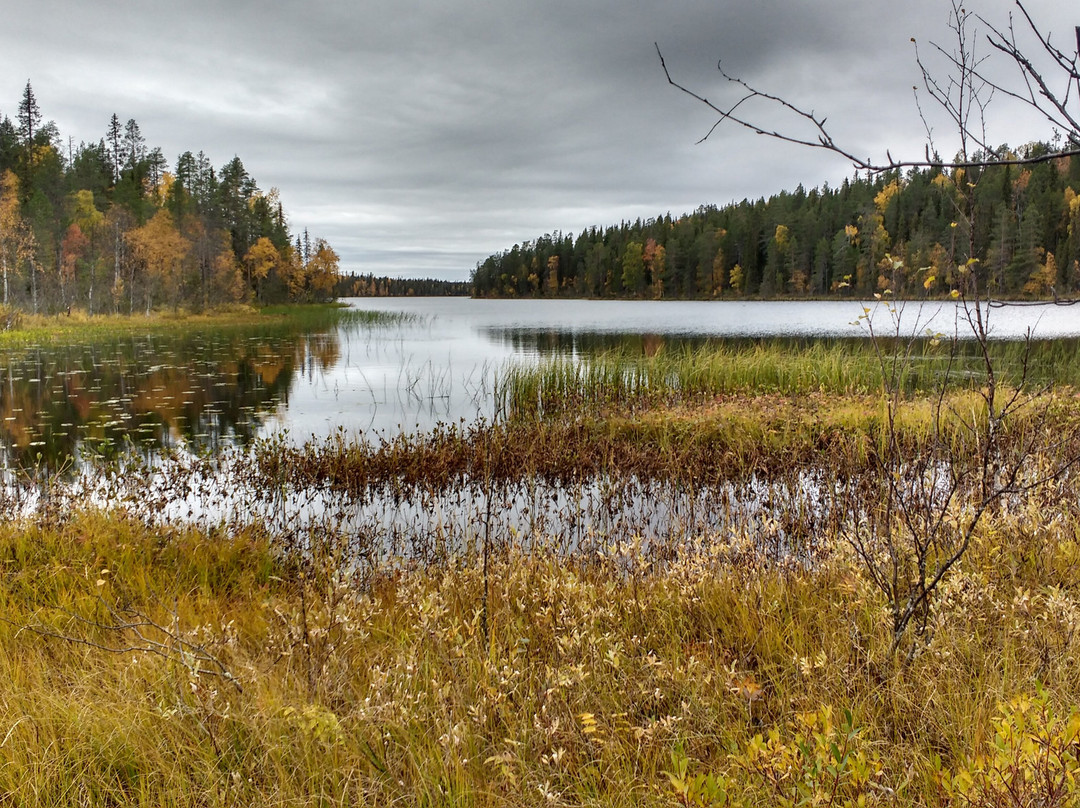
[{"x": 420, "y": 136}]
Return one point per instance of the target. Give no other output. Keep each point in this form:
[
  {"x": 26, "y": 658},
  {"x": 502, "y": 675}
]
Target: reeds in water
[{"x": 624, "y": 380}]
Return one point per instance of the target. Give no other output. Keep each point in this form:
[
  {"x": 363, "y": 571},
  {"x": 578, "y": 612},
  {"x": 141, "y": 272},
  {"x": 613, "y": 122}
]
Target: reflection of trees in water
[
  {"x": 559, "y": 343},
  {"x": 203, "y": 390},
  {"x": 1048, "y": 361},
  {"x": 555, "y": 342},
  {"x": 586, "y": 343}
]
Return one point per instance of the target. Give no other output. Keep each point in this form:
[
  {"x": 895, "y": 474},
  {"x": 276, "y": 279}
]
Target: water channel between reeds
[{"x": 172, "y": 423}]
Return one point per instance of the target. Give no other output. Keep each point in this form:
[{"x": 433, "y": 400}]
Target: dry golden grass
[{"x": 593, "y": 671}]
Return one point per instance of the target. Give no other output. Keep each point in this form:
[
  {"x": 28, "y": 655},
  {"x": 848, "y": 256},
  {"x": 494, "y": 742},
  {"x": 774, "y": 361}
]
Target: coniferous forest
[
  {"x": 110, "y": 226},
  {"x": 907, "y": 233},
  {"x": 369, "y": 285}
]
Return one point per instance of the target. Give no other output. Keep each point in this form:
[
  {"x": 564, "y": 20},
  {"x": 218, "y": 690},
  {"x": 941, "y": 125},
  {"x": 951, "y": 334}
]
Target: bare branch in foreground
[
  {"x": 959, "y": 98},
  {"x": 127, "y": 624}
]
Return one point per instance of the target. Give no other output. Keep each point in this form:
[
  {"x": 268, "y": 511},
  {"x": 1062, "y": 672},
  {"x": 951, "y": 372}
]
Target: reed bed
[
  {"x": 623, "y": 380},
  {"x": 726, "y": 438}
]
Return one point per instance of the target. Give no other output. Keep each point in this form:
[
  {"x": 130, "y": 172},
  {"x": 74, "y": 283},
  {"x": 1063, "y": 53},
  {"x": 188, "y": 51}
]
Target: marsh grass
[
  {"x": 318, "y": 316},
  {"x": 595, "y": 669},
  {"x": 723, "y": 438},
  {"x": 624, "y": 380}
]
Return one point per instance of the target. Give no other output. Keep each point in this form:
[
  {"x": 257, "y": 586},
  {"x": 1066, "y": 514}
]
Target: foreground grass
[
  {"x": 163, "y": 665},
  {"x": 554, "y": 680}
]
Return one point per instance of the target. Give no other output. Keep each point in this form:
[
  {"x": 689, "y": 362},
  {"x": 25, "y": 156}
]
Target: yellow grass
[{"x": 561, "y": 680}]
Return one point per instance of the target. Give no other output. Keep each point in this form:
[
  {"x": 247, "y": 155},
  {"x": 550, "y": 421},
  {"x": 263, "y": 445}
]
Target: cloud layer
[{"x": 418, "y": 136}]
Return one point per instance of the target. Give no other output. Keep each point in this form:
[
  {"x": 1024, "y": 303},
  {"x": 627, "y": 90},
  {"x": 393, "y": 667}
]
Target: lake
[{"x": 421, "y": 362}]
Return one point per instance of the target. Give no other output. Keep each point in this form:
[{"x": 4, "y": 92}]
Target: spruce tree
[
  {"x": 29, "y": 117},
  {"x": 114, "y": 137}
]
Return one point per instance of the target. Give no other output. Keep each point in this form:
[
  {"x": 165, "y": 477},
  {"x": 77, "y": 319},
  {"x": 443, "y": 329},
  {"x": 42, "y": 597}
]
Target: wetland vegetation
[{"x": 637, "y": 585}]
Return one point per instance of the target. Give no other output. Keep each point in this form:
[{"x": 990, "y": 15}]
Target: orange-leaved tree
[
  {"x": 260, "y": 260},
  {"x": 161, "y": 251}
]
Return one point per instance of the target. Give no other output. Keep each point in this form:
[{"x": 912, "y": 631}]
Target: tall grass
[
  {"x": 623, "y": 379},
  {"x": 592, "y": 673},
  {"x": 318, "y": 316}
]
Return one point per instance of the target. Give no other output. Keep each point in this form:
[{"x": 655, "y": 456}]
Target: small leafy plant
[{"x": 1033, "y": 760}]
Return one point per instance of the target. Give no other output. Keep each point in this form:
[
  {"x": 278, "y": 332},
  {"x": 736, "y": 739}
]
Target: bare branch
[
  {"x": 823, "y": 141},
  {"x": 130, "y": 630},
  {"x": 963, "y": 96},
  {"x": 1051, "y": 106}
]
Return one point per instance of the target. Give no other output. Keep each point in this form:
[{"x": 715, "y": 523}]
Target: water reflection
[
  {"x": 411, "y": 365},
  {"x": 543, "y": 342},
  {"x": 147, "y": 393}
]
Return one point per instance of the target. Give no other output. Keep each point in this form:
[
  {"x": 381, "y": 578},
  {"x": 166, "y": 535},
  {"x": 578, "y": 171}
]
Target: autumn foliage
[{"x": 109, "y": 227}]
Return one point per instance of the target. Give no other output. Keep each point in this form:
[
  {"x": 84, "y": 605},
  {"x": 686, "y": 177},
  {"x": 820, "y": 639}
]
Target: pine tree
[
  {"x": 29, "y": 120},
  {"x": 9, "y": 145},
  {"x": 134, "y": 145},
  {"x": 633, "y": 268}
]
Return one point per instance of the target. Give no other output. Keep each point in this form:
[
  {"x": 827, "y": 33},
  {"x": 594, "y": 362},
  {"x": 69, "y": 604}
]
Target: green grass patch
[
  {"x": 81, "y": 328},
  {"x": 627, "y": 380}
]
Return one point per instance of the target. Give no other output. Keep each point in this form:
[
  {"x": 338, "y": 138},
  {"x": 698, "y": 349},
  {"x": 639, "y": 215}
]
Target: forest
[
  {"x": 107, "y": 226},
  {"x": 369, "y": 285},
  {"x": 905, "y": 233}
]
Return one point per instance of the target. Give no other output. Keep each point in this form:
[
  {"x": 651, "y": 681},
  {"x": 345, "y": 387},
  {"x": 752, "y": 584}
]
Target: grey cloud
[{"x": 420, "y": 136}]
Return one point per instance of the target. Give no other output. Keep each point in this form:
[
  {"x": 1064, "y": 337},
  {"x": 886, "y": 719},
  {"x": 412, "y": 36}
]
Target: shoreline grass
[{"x": 78, "y": 326}]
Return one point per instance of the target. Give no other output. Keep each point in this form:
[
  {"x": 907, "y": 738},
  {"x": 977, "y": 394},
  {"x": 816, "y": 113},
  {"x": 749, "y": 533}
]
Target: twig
[{"x": 176, "y": 649}]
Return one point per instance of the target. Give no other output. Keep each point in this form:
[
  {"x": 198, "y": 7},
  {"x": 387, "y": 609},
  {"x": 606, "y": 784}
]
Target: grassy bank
[
  {"x": 79, "y": 327},
  {"x": 203, "y": 669}
]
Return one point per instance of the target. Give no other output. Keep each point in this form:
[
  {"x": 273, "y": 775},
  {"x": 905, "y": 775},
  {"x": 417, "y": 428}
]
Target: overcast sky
[{"x": 420, "y": 136}]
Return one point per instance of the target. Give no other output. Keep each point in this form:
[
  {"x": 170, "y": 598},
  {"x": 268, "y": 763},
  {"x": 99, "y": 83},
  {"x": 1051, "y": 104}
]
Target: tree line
[
  {"x": 370, "y": 285},
  {"x": 108, "y": 226},
  {"x": 911, "y": 233}
]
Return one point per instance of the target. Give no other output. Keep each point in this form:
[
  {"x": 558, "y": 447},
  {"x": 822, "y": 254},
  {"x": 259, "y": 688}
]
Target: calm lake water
[{"x": 433, "y": 360}]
